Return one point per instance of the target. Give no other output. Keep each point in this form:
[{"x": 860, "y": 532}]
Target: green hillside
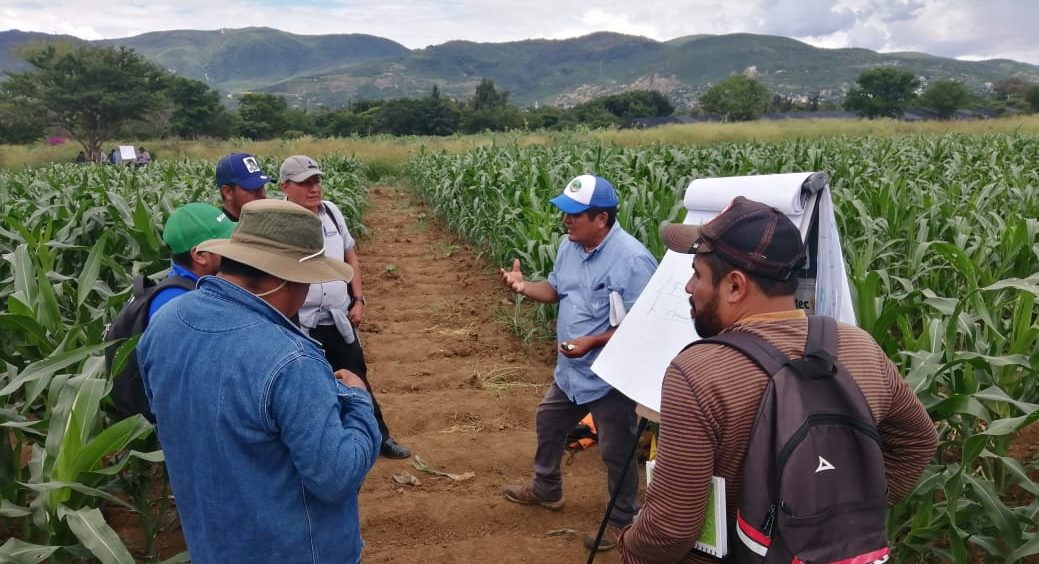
[{"x": 335, "y": 69}]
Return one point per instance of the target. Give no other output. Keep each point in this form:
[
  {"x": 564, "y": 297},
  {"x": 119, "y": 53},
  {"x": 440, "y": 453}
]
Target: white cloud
[{"x": 953, "y": 28}]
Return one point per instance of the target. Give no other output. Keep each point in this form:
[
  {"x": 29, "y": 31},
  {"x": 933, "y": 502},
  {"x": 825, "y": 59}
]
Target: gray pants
[{"x": 616, "y": 423}]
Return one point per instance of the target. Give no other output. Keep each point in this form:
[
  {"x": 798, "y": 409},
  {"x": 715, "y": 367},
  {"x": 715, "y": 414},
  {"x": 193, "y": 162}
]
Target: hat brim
[
  {"x": 568, "y": 205},
  {"x": 302, "y": 176},
  {"x": 683, "y": 238},
  {"x": 311, "y": 271},
  {"x": 255, "y": 182}
]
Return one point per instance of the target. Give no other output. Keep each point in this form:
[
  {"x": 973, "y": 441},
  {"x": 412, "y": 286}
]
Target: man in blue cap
[
  {"x": 597, "y": 276},
  {"x": 241, "y": 180}
]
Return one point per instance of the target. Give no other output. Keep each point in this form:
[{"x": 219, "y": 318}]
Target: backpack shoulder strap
[
  {"x": 328, "y": 207},
  {"x": 763, "y": 353},
  {"x": 175, "y": 282},
  {"x": 141, "y": 285},
  {"x": 820, "y": 358}
]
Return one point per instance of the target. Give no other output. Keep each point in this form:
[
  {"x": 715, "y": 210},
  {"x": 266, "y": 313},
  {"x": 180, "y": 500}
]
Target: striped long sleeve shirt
[{"x": 709, "y": 398}]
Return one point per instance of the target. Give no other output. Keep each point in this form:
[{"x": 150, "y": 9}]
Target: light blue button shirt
[{"x": 583, "y": 281}]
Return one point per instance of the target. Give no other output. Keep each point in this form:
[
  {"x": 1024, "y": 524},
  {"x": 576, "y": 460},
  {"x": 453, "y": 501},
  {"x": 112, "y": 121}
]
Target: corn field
[
  {"x": 939, "y": 233},
  {"x": 940, "y": 238},
  {"x": 72, "y": 238}
]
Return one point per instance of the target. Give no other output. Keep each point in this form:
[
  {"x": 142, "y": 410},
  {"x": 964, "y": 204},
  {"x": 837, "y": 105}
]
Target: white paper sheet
[{"x": 658, "y": 325}]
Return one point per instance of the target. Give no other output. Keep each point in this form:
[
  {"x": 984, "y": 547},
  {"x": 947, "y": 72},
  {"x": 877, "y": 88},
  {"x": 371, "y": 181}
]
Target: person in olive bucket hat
[{"x": 266, "y": 447}]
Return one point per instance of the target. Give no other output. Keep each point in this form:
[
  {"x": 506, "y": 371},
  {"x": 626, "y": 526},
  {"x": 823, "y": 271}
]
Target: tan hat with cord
[{"x": 282, "y": 239}]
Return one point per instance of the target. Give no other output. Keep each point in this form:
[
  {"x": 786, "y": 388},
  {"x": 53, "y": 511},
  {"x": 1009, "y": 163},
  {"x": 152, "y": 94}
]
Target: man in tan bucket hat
[{"x": 266, "y": 448}]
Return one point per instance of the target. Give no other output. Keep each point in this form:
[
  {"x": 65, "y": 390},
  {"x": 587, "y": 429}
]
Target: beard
[{"x": 705, "y": 319}]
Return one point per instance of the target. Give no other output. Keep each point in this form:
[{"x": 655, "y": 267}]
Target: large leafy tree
[
  {"x": 945, "y": 97},
  {"x": 197, "y": 110},
  {"x": 882, "y": 92},
  {"x": 737, "y": 98},
  {"x": 86, "y": 91},
  {"x": 262, "y": 116}
]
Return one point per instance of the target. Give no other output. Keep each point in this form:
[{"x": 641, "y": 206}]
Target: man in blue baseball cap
[
  {"x": 241, "y": 180},
  {"x": 597, "y": 276}
]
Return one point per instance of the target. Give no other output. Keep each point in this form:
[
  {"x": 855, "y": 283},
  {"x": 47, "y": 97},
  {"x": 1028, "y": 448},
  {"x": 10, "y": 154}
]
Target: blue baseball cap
[
  {"x": 241, "y": 169},
  {"x": 586, "y": 192}
]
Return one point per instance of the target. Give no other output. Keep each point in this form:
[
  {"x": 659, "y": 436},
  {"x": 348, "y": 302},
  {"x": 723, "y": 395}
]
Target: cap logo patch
[
  {"x": 251, "y": 165},
  {"x": 575, "y": 185}
]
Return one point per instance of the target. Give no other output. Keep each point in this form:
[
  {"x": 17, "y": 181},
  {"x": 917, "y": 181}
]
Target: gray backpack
[{"x": 814, "y": 485}]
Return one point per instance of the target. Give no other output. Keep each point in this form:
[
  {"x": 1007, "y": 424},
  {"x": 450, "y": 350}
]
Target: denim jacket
[{"x": 266, "y": 451}]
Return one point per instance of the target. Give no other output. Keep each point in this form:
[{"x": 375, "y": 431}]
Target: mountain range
[{"x": 333, "y": 70}]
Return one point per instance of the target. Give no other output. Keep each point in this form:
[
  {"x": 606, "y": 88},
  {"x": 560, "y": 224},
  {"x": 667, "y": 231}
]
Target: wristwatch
[{"x": 361, "y": 299}]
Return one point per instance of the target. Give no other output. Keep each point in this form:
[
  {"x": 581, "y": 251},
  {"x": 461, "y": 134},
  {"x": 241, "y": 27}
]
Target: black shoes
[{"x": 392, "y": 449}]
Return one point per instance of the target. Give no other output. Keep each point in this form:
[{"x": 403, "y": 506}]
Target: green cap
[{"x": 195, "y": 223}]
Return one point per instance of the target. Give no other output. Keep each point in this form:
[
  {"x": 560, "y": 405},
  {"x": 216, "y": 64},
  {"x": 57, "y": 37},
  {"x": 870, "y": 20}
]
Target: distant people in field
[
  {"x": 265, "y": 446},
  {"x": 598, "y": 274},
  {"x": 240, "y": 180},
  {"x": 81, "y": 157},
  {"x": 187, "y": 227},
  {"x": 115, "y": 157},
  {"x": 143, "y": 157},
  {"x": 334, "y": 310}
]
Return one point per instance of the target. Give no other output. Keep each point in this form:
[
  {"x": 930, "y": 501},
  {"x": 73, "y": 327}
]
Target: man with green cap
[{"x": 188, "y": 227}]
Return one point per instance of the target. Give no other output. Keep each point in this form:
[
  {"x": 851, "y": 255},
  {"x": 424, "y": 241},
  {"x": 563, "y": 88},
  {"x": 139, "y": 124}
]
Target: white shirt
[{"x": 327, "y": 302}]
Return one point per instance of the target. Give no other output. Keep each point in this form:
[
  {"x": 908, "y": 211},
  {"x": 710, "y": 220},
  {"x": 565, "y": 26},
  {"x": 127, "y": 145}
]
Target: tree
[
  {"x": 18, "y": 126},
  {"x": 487, "y": 97},
  {"x": 737, "y": 98},
  {"x": 88, "y": 92},
  {"x": 197, "y": 110},
  {"x": 262, "y": 116},
  {"x": 945, "y": 97},
  {"x": 882, "y": 92},
  {"x": 1032, "y": 96}
]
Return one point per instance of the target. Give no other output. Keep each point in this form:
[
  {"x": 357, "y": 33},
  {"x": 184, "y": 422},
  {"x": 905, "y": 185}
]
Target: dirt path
[{"x": 437, "y": 355}]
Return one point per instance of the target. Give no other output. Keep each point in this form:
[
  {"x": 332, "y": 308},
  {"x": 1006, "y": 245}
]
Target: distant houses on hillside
[{"x": 911, "y": 114}]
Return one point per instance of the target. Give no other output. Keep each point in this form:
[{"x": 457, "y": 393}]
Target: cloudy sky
[{"x": 968, "y": 29}]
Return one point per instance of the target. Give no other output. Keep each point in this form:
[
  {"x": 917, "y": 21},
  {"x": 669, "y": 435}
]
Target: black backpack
[
  {"x": 128, "y": 394},
  {"x": 814, "y": 485}
]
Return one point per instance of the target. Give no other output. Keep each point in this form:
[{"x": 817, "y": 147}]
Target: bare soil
[{"x": 459, "y": 389}]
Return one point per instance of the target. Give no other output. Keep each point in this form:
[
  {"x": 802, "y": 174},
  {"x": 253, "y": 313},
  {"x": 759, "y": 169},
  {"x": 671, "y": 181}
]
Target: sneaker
[
  {"x": 524, "y": 495},
  {"x": 392, "y": 449},
  {"x": 609, "y": 538}
]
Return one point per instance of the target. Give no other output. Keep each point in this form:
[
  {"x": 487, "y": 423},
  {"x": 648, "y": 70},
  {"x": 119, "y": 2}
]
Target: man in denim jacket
[{"x": 266, "y": 448}]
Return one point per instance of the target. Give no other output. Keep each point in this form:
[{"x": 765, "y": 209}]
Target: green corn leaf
[
  {"x": 1028, "y": 548},
  {"x": 94, "y": 532},
  {"x": 15, "y": 551},
  {"x": 47, "y": 311},
  {"x": 10, "y": 510},
  {"x": 108, "y": 442},
  {"x": 1001, "y": 516},
  {"x": 91, "y": 268},
  {"x": 994, "y": 393},
  {"x": 50, "y": 365}
]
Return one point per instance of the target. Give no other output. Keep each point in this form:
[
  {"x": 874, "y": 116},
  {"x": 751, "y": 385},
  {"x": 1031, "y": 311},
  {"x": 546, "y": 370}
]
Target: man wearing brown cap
[
  {"x": 266, "y": 448},
  {"x": 745, "y": 272},
  {"x": 333, "y": 310}
]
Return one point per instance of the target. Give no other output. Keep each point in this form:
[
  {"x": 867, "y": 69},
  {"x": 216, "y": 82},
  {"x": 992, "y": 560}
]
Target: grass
[{"x": 384, "y": 154}]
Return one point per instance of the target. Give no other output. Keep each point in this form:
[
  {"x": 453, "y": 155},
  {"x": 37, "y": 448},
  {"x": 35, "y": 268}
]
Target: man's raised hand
[{"x": 513, "y": 279}]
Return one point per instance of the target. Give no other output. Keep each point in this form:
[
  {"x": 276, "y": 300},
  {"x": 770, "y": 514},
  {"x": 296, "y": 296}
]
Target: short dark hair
[
  {"x": 611, "y": 214},
  {"x": 235, "y": 268},
  {"x": 183, "y": 259},
  {"x": 769, "y": 286}
]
